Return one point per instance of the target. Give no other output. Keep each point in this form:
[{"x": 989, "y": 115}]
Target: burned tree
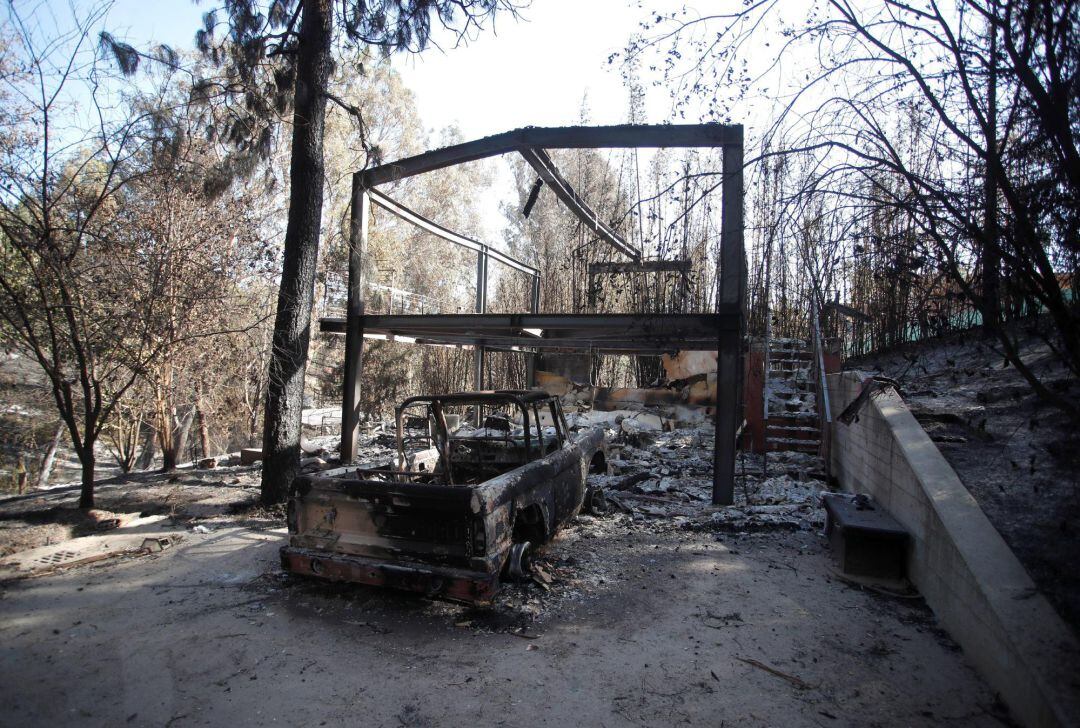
[
  {"x": 278, "y": 58},
  {"x": 63, "y": 300},
  {"x": 962, "y": 119}
]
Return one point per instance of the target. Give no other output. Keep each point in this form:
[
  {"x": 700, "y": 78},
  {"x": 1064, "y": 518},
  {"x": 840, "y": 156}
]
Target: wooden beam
[
  {"x": 391, "y": 205},
  {"x": 354, "y": 331},
  {"x": 545, "y": 167},
  {"x": 625, "y": 136}
]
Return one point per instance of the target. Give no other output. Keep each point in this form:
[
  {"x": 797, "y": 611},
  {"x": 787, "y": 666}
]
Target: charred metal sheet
[{"x": 456, "y": 584}]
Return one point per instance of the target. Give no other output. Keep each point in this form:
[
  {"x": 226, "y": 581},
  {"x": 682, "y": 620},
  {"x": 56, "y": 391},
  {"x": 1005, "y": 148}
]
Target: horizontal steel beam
[
  {"x": 638, "y": 324},
  {"x": 625, "y": 136},
  {"x": 643, "y": 266},
  {"x": 411, "y": 216},
  {"x": 623, "y": 333}
]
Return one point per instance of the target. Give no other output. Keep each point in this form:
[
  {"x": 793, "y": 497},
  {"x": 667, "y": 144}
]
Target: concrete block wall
[{"x": 975, "y": 585}]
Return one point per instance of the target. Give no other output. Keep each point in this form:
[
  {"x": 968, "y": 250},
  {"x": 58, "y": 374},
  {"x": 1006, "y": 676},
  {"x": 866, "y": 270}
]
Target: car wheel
[
  {"x": 596, "y": 503},
  {"x": 520, "y": 563}
]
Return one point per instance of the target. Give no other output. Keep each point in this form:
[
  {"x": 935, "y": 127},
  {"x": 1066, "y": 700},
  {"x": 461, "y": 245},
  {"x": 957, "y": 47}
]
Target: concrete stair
[{"x": 791, "y": 417}]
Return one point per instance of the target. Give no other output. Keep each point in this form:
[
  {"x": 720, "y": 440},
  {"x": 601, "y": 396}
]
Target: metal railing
[{"x": 821, "y": 384}]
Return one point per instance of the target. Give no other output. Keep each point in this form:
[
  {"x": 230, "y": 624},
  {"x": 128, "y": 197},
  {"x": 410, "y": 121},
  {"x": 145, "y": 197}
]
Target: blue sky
[{"x": 534, "y": 71}]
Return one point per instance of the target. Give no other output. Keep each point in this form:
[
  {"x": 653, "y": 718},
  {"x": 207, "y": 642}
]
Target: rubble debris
[
  {"x": 687, "y": 364},
  {"x": 155, "y": 544},
  {"x": 80, "y": 552},
  {"x": 642, "y": 422}
]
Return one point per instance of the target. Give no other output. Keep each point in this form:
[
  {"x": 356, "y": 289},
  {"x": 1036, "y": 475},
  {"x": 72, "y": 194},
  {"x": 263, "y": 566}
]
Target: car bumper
[{"x": 457, "y": 584}]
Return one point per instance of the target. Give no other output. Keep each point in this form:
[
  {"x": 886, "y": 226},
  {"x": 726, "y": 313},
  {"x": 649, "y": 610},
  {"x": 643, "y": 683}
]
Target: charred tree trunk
[
  {"x": 991, "y": 255},
  {"x": 146, "y": 457},
  {"x": 50, "y": 457},
  {"x": 204, "y": 428},
  {"x": 86, "y": 494},
  {"x": 292, "y": 327},
  {"x": 175, "y": 443}
]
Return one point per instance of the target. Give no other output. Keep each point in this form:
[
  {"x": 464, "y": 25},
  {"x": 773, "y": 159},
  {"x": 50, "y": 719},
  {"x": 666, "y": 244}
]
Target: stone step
[
  {"x": 799, "y": 432},
  {"x": 779, "y": 367},
  {"x": 781, "y": 386},
  {"x": 775, "y": 416},
  {"x": 788, "y": 443},
  {"x": 782, "y": 419}
]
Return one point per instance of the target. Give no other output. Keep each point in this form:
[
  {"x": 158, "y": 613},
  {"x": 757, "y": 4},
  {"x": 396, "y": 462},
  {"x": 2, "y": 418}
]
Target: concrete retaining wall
[{"x": 970, "y": 578}]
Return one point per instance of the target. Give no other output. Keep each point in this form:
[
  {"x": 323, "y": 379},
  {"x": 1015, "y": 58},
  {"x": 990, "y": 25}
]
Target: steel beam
[
  {"x": 354, "y": 330},
  {"x": 391, "y": 205},
  {"x": 545, "y": 167},
  {"x": 530, "y": 359},
  {"x": 643, "y": 266},
  {"x": 634, "y": 326},
  {"x": 601, "y": 333},
  {"x": 481, "y": 307},
  {"x": 731, "y": 292},
  {"x": 624, "y": 136}
]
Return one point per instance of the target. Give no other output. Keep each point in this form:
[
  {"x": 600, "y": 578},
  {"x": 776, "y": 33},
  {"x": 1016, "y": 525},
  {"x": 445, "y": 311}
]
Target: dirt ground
[
  {"x": 644, "y": 620},
  {"x": 48, "y": 517},
  {"x": 1018, "y": 456}
]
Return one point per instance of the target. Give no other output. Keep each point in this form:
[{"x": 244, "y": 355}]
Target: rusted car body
[{"x": 450, "y": 518}]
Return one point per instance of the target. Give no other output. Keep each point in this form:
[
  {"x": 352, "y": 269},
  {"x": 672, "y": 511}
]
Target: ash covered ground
[
  {"x": 664, "y": 610},
  {"x": 1017, "y": 455}
]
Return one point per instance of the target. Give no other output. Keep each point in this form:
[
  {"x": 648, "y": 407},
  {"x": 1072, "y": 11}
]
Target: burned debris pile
[
  {"x": 656, "y": 474},
  {"x": 658, "y": 486}
]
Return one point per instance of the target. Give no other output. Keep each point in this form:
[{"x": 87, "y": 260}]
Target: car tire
[
  {"x": 596, "y": 503},
  {"x": 519, "y": 564}
]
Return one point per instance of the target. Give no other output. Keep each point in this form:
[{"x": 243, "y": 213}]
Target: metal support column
[
  {"x": 354, "y": 331},
  {"x": 729, "y": 359},
  {"x": 481, "y": 307},
  {"x": 530, "y": 359}
]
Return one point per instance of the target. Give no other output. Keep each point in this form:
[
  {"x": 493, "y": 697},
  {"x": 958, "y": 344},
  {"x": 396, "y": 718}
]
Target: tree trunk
[
  {"x": 991, "y": 255},
  {"x": 285, "y": 387},
  {"x": 177, "y": 442},
  {"x": 50, "y": 456},
  {"x": 146, "y": 457},
  {"x": 204, "y": 429},
  {"x": 86, "y": 495},
  {"x": 180, "y": 434}
]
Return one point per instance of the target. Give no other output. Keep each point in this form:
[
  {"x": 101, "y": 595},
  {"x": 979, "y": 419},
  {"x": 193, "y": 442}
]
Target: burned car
[{"x": 480, "y": 479}]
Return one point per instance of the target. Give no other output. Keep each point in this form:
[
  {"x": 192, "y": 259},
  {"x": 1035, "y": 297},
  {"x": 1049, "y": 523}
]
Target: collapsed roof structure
[{"x": 531, "y": 332}]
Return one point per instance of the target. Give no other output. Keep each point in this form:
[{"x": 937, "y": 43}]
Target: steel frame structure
[{"x": 722, "y": 331}]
